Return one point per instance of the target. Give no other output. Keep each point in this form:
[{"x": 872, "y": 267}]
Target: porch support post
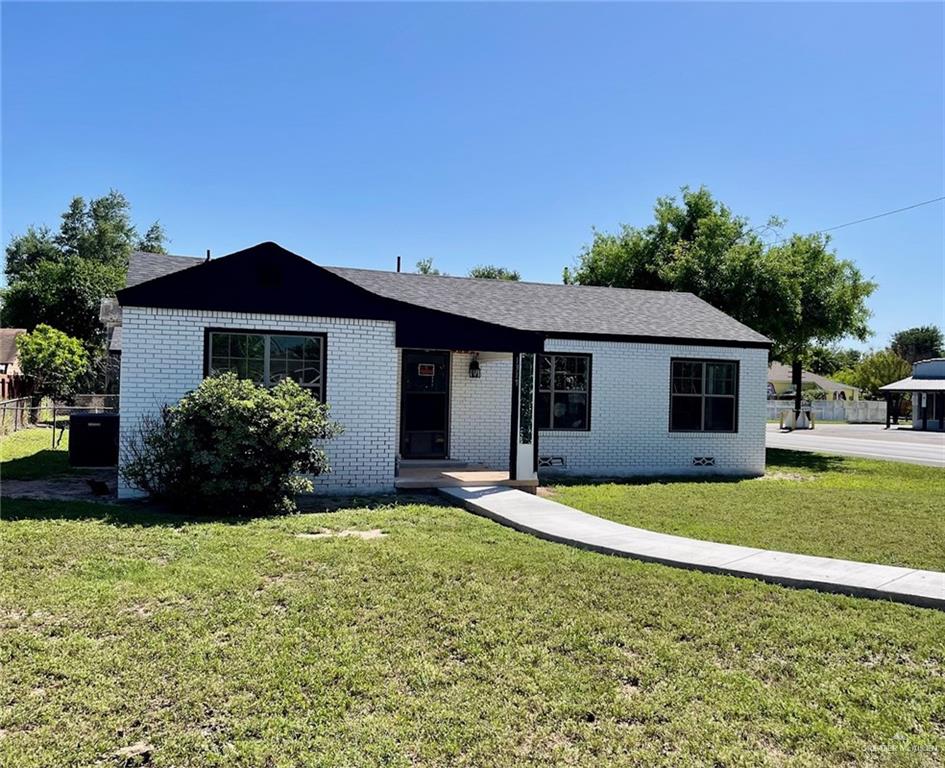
[
  {"x": 925, "y": 412},
  {"x": 513, "y": 420},
  {"x": 887, "y": 410}
]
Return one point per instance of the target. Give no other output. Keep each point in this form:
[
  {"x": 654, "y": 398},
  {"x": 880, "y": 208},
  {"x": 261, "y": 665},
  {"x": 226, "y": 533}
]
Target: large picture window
[
  {"x": 564, "y": 393},
  {"x": 268, "y": 358},
  {"x": 703, "y": 396}
]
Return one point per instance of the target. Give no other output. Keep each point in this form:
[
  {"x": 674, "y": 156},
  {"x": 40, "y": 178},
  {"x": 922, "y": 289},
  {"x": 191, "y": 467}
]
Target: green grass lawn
[
  {"x": 876, "y": 511},
  {"x": 29, "y": 454},
  {"x": 451, "y": 641}
]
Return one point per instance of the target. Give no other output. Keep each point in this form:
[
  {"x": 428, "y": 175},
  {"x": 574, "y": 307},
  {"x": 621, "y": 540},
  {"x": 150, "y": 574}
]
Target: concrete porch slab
[
  {"x": 556, "y": 522},
  {"x": 432, "y": 477}
]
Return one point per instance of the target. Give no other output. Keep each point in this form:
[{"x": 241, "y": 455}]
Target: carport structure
[{"x": 927, "y": 383}]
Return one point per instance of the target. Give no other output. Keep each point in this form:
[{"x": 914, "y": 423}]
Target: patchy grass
[
  {"x": 29, "y": 454},
  {"x": 450, "y": 641},
  {"x": 876, "y": 511}
]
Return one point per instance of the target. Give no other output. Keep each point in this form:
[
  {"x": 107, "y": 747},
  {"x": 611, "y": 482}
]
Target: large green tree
[
  {"x": 822, "y": 299},
  {"x": 65, "y": 294},
  {"x": 60, "y": 278},
  {"x": 920, "y": 343},
  {"x": 797, "y": 292}
]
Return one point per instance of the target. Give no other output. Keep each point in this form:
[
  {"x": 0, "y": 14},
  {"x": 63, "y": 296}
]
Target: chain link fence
[{"x": 20, "y": 413}]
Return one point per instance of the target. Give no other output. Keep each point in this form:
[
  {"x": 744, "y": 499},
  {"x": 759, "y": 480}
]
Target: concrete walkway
[{"x": 556, "y": 522}]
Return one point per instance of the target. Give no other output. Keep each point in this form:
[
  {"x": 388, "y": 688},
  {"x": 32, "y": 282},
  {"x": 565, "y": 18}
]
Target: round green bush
[{"x": 232, "y": 447}]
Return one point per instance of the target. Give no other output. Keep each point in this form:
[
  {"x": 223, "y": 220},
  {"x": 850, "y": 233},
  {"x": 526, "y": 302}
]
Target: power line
[{"x": 868, "y": 218}]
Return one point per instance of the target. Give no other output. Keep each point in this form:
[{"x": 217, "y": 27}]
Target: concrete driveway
[{"x": 871, "y": 441}]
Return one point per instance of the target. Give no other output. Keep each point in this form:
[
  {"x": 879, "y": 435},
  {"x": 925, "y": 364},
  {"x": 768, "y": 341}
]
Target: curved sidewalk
[{"x": 556, "y": 522}]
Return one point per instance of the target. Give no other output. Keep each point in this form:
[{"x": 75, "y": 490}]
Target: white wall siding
[
  {"x": 480, "y": 409},
  {"x": 163, "y": 359},
  {"x": 629, "y": 432}
]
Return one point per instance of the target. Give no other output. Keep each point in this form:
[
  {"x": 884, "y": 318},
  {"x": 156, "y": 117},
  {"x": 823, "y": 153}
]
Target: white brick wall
[
  {"x": 480, "y": 409},
  {"x": 163, "y": 359},
  {"x": 629, "y": 432}
]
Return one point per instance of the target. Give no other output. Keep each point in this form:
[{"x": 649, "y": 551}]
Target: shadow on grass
[
  {"x": 42, "y": 464},
  {"x": 154, "y": 514},
  {"x": 812, "y": 462}
]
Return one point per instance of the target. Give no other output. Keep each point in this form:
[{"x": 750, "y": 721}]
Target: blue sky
[{"x": 483, "y": 133}]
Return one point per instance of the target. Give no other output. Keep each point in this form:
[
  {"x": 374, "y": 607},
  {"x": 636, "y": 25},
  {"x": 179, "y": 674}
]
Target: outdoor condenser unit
[{"x": 93, "y": 439}]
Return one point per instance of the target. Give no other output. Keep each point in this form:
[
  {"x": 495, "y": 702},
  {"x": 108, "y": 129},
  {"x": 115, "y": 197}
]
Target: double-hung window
[
  {"x": 564, "y": 393},
  {"x": 268, "y": 358},
  {"x": 703, "y": 396}
]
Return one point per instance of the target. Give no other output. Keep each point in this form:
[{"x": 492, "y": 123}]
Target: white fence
[{"x": 853, "y": 411}]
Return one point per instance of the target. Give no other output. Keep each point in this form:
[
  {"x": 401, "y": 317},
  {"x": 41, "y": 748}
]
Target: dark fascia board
[
  {"x": 272, "y": 280},
  {"x": 681, "y": 340},
  {"x": 280, "y": 282}
]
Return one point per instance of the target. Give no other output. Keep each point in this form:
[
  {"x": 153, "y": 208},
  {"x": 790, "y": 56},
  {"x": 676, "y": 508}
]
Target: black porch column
[
  {"x": 925, "y": 411},
  {"x": 887, "y": 410}
]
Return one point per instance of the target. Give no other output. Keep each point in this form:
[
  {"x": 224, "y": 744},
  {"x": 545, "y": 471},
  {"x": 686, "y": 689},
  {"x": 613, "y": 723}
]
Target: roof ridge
[
  {"x": 493, "y": 281},
  {"x": 172, "y": 255}
]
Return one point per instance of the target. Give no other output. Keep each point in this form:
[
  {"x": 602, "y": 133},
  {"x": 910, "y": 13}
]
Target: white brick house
[{"x": 518, "y": 378}]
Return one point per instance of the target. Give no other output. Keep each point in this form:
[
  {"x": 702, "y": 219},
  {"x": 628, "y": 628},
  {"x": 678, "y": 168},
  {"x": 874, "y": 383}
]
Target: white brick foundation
[
  {"x": 163, "y": 359},
  {"x": 629, "y": 432}
]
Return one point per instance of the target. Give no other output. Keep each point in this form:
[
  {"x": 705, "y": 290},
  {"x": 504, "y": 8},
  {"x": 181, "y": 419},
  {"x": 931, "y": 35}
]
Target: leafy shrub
[{"x": 232, "y": 447}]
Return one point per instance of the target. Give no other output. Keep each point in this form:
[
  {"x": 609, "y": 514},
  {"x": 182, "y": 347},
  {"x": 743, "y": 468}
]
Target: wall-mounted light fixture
[{"x": 474, "y": 370}]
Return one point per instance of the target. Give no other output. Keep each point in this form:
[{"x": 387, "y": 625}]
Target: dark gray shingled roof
[
  {"x": 559, "y": 309},
  {"x": 540, "y": 307},
  {"x": 144, "y": 266}
]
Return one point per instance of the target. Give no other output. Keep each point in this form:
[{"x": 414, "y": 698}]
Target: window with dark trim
[
  {"x": 703, "y": 396},
  {"x": 564, "y": 393},
  {"x": 268, "y": 358}
]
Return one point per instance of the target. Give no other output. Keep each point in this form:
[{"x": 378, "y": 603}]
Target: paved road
[{"x": 871, "y": 441}]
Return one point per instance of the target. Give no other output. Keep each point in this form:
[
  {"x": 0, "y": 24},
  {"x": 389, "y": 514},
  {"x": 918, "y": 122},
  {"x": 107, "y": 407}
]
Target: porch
[
  {"x": 453, "y": 474},
  {"x": 465, "y": 418}
]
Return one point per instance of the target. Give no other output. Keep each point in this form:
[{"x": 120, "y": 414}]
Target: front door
[{"x": 424, "y": 405}]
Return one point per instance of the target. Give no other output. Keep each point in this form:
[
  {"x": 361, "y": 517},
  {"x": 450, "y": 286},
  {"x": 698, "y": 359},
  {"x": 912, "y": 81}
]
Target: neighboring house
[
  {"x": 12, "y": 384},
  {"x": 781, "y": 384},
  {"x": 512, "y": 376},
  {"x": 927, "y": 385}
]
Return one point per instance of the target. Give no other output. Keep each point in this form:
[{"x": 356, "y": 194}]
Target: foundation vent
[{"x": 703, "y": 461}]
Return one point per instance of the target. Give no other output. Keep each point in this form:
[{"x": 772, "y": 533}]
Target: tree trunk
[{"x": 798, "y": 383}]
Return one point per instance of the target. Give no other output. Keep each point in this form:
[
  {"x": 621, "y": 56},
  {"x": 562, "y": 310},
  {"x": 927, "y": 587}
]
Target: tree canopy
[
  {"x": 827, "y": 360},
  {"x": 920, "y": 343},
  {"x": 425, "y": 267},
  {"x": 60, "y": 278},
  {"x": 54, "y": 361},
  {"x": 876, "y": 370},
  {"x": 796, "y": 291},
  {"x": 493, "y": 272}
]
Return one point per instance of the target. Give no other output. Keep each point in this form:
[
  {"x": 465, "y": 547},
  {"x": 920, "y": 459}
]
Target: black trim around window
[
  {"x": 323, "y": 337},
  {"x": 544, "y": 419},
  {"x": 681, "y": 401}
]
